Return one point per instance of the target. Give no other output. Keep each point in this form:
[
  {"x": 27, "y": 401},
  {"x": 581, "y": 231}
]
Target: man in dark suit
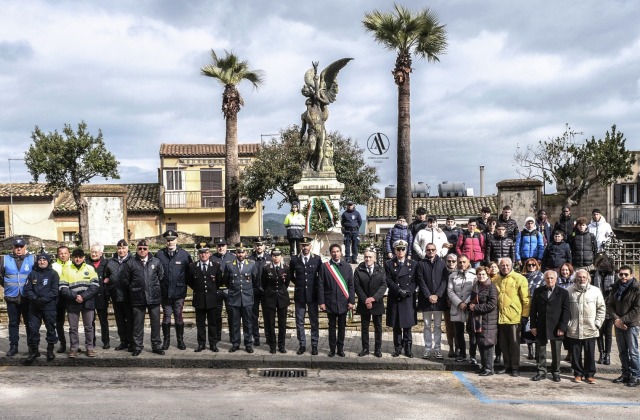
[
  {"x": 203, "y": 278},
  {"x": 336, "y": 296},
  {"x": 261, "y": 258},
  {"x": 241, "y": 278},
  {"x": 549, "y": 318},
  {"x": 401, "y": 314},
  {"x": 305, "y": 269},
  {"x": 275, "y": 284},
  {"x": 222, "y": 256},
  {"x": 370, "y": 285}
]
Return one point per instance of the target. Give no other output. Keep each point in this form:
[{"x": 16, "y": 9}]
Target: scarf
[{"x": 622, "y": 289}]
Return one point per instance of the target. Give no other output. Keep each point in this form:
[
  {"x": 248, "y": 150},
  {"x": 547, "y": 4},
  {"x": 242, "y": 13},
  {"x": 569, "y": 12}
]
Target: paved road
[{"x": 64, "y": 392}]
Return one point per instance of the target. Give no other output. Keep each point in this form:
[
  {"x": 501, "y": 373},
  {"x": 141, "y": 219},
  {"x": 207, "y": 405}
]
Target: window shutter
[{"x": 617, "y": 194}]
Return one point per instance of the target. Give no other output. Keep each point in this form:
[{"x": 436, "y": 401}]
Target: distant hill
[{"x": 274, "y": 222}]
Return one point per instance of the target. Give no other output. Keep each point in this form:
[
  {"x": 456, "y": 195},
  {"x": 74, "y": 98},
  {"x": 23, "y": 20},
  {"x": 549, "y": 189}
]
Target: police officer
[
  {"x": 241, "y": 278},
  {"x": 13, "y": 276},
  {"x": 204, "y": 276},
  {"x": 175, "y": 262},
  {"x": 261, "y": 258},
  {"x": 351, "y": 222},
  {"x": 275, "y": 281},
  {"x": 305, "y": 269},
  {"x": 222, "y": 256},
  {"x": 41, "y": 289}
]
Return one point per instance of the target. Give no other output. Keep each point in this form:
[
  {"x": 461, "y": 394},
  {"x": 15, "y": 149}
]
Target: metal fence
[{"x": 623, "y": 252}]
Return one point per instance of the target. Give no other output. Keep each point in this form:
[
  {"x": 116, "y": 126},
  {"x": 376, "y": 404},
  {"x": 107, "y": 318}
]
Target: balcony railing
[
  {"x": 629, "y": 216},
  {"x": 192, "y": 199}
]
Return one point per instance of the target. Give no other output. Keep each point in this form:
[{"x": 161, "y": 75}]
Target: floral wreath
[{"x": 321, "y": 215}]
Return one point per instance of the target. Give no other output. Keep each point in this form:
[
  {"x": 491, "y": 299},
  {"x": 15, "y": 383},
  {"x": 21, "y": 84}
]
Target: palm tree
[
  {"x": 406, "y": 33},
  {"x": 230, "y": 71}
]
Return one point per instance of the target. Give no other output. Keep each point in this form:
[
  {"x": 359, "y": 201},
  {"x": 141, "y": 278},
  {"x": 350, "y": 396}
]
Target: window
[
  {"x": 69, "y": 236},
  {"x": 628, "y": 194},
  {"x": 216, "y": 229},
  {"x": 174, "y": 180},
  {"x": 172, "y": 226}
]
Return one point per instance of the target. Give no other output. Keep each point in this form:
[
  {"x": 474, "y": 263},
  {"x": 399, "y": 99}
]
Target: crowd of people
[{"x": 493, "y": 285}]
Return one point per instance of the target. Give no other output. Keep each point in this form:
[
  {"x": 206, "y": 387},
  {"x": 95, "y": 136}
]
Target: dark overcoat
[
  {"x": 330, "y": 294},
  {"x": 374, "y": 285},
  {"x": 400, "y": 312},
  {"x": 485, "y": 299},
  {"x": 549, "y": 314},
  {"x": 275, "y": 286},
  {"x": 204, "y": 284},
  {"x": 431, "y": 279},
  {"x": 101, "y": 298}
]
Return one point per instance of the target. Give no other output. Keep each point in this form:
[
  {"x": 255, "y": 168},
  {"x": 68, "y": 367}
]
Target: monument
[{"x": 319, "y": 191}]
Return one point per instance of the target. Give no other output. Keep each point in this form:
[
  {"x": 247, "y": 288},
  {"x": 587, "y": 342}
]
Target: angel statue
[{"x": 320, "y": 91}]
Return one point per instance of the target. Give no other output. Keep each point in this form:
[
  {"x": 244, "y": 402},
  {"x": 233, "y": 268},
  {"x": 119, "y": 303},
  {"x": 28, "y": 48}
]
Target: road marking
[{"x": 486, "y": 400}]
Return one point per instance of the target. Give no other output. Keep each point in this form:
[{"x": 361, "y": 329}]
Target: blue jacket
[
  {"x": 42, "y": 288},
  {"x": 529, "y": 244},
  {"x": 174, "y": 281},
  {"x": 395, "y": 234},
  {"x": 351, "y": 220},
  {"x": 556, "y": 254},
  {"x": 15, "y": 277}
]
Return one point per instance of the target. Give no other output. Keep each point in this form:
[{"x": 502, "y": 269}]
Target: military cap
[
  {"x": 306, "y": 240},
  {"x": 400, "y": 243},
  {"x": 241, "y": 247},
  {"x": 19, "y": 242},
  {"x": 122, "y": 242},
  {"x": 202, "y": 247},
  {"x": 258, "y": 241},
  {"x": 142, "y": 242},
  {"x": 220, "y": 241},
  {"x": 276, "y": 251},
  {"x": 170, "y": 235}
]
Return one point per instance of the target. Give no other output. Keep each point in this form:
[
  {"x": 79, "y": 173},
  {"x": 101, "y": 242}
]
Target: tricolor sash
[{"x": 337, "y": 276}]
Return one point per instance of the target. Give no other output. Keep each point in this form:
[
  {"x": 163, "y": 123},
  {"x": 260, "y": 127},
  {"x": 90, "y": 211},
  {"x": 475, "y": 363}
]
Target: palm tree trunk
[
  {"x": 232, "y": 195},
  {"x": 403, "y": 203}
]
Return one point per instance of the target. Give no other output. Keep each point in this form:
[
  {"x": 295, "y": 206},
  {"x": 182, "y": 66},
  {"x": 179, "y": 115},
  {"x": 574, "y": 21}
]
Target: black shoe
[
  {"x": 272, "y": 350},
  {"x": 556, "y": 377},
  {"x": 135, "y": 353},
  {"x": 158, "y": 351},
  {"x": 121, "y": 346},
  {"x": 332, "y": 353},
  {"x": 607, "y": 359},
  {"x": 234, "y": 349},
  {"x": 200, "y": 348},
  {"x": 131, "y": 348},
  {"x": 407, "y": 352},
  {"x": 106, "y": 346},
  {"x": 600, "y": 359},
  {"x": 340, "y": 353},
  {"x": 515, "y": 373},
  {"x": 377, "y": 353},
  {"x": 634, "y": 382},
  {"x": 621, "y": 380},
  {"x": 62, "y": 348},
  {"x": 497, "y": 360},
  {"x": 214, "y": 347},
  {"x": 282, "y": 350},
  {"x": 249, "y": 349},
  {"x": 364, "y": 352},
  {"x": 301, "y": 350},
  {"x": 397, "y": 352},
  {"x": 13, "y": 350},
  {"x": 314, "y": 350},
  {"x": 538, "y": 376},
  {"x": 256, "y": 342},
  {"x": 33, "y": 354},
  {"x": 486, "y": 372}
]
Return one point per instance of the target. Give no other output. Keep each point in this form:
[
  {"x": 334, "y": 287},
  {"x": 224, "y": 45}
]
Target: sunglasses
[
  {"x": 143, "y": 248},
  {"x": 451, "y": 261},
  {"x": 401, "y": 248},
  {"x": 624, "y": 274},
  {"x": 531, "y": 265}
]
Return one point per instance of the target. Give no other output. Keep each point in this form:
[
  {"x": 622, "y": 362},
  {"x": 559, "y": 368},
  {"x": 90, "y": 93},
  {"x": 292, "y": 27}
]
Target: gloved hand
[{"x": 402, "y": 294}]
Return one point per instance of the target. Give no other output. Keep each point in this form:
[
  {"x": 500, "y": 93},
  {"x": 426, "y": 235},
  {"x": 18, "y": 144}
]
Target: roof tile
[
  {"x": 207, "y": 150},
  {"x": 436, "y": 206}
]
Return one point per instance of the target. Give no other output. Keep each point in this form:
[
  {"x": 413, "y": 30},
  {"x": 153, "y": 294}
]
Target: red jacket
[{"x": 471, "y": 246}]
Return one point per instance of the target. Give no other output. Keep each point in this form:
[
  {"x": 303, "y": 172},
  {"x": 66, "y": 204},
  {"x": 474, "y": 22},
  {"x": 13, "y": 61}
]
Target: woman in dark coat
[
  {"x": 483, "y": 314},
  {"x": 604, "y": 278},
  {"x": 370, "y": 284}
]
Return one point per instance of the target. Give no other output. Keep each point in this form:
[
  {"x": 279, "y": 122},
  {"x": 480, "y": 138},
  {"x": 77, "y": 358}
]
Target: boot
[
  {"x": 180, "y": 336},
  {"x": 50, "y": 354},
  {"x": 13, "y": 350},
  {"x": 530, "y": 348},
  {"x": 600, "y": 359},
  {"x": 166, "y": 332},
  {"x": 607, "y": 359},
  {"x": 397, "y": 352},
  {"x": 34, "y": 352}
]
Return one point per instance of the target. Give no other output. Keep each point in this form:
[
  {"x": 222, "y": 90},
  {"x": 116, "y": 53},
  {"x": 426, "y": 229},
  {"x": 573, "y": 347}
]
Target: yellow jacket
[{"x": 513, "y": 298}]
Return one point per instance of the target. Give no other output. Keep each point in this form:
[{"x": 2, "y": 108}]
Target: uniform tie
[{"x": 305, "y": 260}]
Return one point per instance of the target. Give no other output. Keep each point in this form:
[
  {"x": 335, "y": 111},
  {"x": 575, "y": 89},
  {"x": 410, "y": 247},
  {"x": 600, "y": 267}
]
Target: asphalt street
[{"x": 132, "y": 393}]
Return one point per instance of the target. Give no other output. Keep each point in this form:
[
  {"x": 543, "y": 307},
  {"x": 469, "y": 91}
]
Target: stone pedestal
[
  {"x": 321, "y": 184},
  {"x": 105, "y": 213}
]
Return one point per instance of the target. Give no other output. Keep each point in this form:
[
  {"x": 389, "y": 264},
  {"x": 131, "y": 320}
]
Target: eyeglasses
[
  {"x": 143, "y": 248},
  {"x": 401, "y": 248},
  {"x": 451, "y": 261},
  {"x": 624, "y": 274}
]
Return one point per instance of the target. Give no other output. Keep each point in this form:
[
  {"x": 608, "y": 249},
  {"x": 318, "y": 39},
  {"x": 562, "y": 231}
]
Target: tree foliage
[
  {"x": 278, "y": 167},
  {"x": 575, "y": 167},
  {"x": 68, "y": 160}
]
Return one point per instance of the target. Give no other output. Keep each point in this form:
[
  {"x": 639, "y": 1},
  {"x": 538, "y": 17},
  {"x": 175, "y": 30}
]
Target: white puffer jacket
[
  {"x": 587, "y": 312},
  {"x": 459, "y": 290}
]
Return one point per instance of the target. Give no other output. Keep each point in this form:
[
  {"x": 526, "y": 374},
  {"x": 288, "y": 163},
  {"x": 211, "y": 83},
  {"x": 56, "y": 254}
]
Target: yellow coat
[{"x": 513, "y": 298}]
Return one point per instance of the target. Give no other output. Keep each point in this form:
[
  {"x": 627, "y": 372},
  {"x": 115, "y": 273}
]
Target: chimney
[{"x": 481, "y": 180}]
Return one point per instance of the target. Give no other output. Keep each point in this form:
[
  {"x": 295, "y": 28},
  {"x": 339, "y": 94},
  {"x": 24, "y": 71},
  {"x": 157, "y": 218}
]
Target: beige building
[{"x": 192, "y": 189}]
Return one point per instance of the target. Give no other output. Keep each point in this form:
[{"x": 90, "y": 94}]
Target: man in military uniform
[
  {"x": 204, "y": 277},
  {"x": 400, "y": 299},
  {"x": 261, "y": 258},
  {"x": 305, "y": 269},
  {"x": 275, "y": 281},
  {"x": 241, "y": 278},
  {"x": 175, "y": 262},
  {"x": 63, "y": 259},
  {"x": 222, "y": 256},
  {"x": 336, "y": 295},
  {"x": 13, "y": 276}
]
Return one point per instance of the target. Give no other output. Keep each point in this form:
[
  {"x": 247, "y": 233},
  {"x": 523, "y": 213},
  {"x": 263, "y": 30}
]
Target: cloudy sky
[{"x": 514, "y": 73}]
